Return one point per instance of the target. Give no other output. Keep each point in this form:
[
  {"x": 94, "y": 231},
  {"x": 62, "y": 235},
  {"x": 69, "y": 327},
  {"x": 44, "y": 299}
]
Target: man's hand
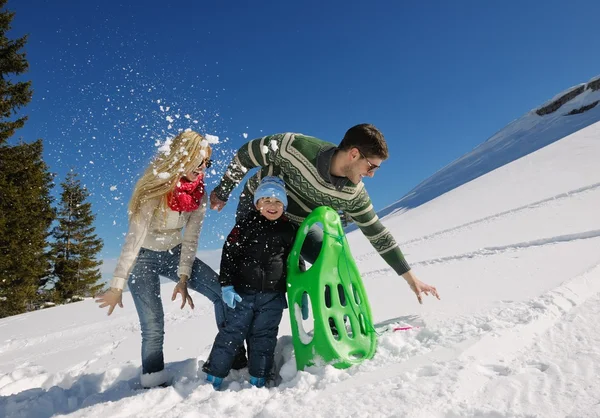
[
  {"x": 419, "y": 287},
  {"x": 181, "y": 288},
  {"x": 112, "y": 297},
  {"x": 215, "y": 202}
]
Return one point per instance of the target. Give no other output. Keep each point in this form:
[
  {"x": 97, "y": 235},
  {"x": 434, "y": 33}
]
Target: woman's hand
[
  {"x": 112, "y": 297},
  {"x": 181, "y": 287}
]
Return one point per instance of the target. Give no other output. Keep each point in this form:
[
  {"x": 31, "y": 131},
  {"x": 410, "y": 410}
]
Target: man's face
[
  {"x": 270, "y": 207},
  {"x": 361, "y": 166}
]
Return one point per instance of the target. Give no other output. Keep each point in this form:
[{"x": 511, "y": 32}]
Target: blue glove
[
  {"x": 304, "y": 306},
  {"x": 230, "y": 296}
]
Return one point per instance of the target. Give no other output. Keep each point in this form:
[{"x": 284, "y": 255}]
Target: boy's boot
[
  {"x": 216, "y": 381},
  {"x": 259, "y": 382}
]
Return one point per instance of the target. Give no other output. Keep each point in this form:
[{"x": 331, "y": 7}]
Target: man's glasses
[{"x": 372, "y": 167}]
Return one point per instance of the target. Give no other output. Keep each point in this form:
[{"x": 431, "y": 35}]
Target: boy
[{"x": 253, "y": 279}]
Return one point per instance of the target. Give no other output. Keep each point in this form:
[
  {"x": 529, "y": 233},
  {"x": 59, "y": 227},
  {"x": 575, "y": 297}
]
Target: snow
[
  {"x": 513, "y": 253},
  {"x": 562, "y": 93},
  {"x": 165, "y": 147},
  {"x": 212, "y": 139}
]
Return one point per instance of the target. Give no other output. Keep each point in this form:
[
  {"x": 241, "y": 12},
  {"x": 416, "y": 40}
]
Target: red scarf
[{"x": 187, "y": 195}]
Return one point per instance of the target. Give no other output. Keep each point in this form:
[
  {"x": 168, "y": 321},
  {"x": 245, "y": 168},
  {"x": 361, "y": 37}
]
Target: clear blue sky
[{"x": 437, "y": 77}]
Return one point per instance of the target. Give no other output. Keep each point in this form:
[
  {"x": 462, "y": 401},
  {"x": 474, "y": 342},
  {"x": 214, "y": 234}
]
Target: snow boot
[
  {"x": 216, "y": 381},
  {"x": 259, "y": 382}
]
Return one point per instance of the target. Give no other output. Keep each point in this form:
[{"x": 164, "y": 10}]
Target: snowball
[{"x": 212, "y": 139}]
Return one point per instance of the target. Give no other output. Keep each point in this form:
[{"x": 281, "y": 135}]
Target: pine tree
[
  {"x": 75, "y": 247},
  {"x": 26, "y": 214},
  {"x": 13, "y": 95},
  {"x": 26, "y": 211}
]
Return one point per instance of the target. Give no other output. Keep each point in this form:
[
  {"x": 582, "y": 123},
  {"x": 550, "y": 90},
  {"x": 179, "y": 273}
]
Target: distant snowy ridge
[
  {"x": 566, "y": 113},
  {"x": 567, "y": 96}
]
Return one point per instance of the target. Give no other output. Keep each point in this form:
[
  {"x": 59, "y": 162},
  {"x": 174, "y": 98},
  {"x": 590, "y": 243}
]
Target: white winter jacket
[{"x": 155, "y": 232}]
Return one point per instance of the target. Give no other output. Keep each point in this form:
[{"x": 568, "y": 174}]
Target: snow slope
[
  {"x": 514, "y": 254},
  {"x": 523, "y": 136}
]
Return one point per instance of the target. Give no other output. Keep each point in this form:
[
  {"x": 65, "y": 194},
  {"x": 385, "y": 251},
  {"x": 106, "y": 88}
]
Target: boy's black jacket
[{"x": 255, "y": 254}]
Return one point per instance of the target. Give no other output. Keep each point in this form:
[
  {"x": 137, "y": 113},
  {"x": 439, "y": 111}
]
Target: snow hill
[
  {"x": 567, "y": 112},
  {"x": 514, "y": 252}
]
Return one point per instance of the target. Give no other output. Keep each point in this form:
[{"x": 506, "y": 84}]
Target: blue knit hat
[{"x": 271, "y": 186}]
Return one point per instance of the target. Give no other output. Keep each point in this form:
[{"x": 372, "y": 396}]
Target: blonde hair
[{"x": 176, "y": 157}]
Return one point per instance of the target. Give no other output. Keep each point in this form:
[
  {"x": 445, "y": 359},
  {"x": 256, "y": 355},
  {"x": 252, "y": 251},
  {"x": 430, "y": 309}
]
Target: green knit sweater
[{"x": 293, "y": 157}]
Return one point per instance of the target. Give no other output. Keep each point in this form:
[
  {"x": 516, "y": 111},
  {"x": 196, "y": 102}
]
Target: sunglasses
[
  {"x": 372, "y": 167},
  {"x": 205, "y": 163}
]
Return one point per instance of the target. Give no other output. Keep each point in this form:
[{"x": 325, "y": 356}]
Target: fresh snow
[{"x": 513, "y": 253}]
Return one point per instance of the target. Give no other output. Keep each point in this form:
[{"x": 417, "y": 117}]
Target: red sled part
[{"x": 403, "y": 328}]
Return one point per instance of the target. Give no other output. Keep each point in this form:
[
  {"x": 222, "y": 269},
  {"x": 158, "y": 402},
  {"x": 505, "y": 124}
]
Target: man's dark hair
[{"x": 368, "y": 139}]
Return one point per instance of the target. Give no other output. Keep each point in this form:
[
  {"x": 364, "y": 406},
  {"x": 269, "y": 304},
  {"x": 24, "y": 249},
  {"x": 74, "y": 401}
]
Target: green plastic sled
[{"x": 352, "y": 339}]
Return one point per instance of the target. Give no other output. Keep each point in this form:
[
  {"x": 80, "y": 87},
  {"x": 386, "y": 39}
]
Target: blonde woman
[{"x": 167, "y": 200}]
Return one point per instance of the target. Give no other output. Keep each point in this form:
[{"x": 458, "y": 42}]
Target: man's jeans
[{"x": 144, "y": 285}]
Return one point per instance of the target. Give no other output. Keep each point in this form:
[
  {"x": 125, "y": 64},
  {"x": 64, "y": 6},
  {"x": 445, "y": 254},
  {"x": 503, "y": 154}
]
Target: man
[{"x": 317, "y": 173}]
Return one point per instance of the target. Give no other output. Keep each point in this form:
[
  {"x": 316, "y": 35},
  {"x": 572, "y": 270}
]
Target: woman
[{"x": 168, "y": 199}]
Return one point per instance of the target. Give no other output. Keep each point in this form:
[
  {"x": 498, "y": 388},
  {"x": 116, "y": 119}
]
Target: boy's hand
[{"x": 230, "y": 296}]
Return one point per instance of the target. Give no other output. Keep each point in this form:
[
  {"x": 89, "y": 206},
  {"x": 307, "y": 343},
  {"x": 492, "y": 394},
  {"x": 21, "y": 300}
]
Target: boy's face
[{"x": 270, "y": 207}]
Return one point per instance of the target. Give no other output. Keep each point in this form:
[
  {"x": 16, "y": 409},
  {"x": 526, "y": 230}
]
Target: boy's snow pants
[{"x": 255, "y": 319}]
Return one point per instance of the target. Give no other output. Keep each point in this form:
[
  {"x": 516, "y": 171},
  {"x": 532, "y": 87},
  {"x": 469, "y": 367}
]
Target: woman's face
[{"x": 198, "y": 171}]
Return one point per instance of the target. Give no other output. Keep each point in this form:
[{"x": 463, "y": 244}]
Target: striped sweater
[{"x": 294, "y": 157}]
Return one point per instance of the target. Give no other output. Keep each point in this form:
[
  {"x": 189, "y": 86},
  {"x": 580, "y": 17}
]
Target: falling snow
[{"x": 212, "y": 139}]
